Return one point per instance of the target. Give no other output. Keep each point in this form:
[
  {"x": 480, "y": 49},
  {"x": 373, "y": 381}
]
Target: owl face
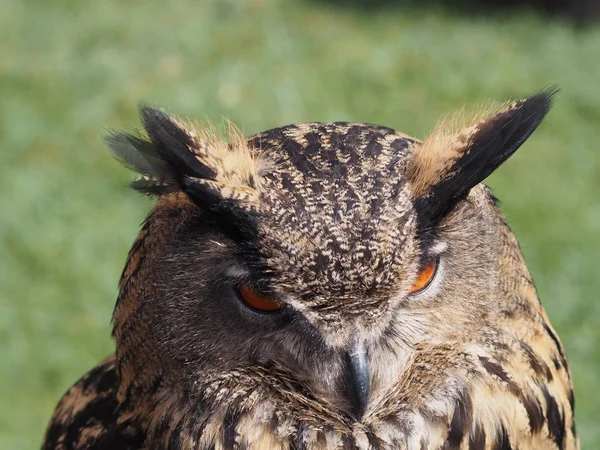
[{"x": 320, "y": 254}]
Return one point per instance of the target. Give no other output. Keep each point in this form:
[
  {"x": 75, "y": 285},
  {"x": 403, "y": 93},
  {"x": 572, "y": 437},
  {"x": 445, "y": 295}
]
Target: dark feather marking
[
  {"x": 297, "y": 442},
  {"x": 373, "y": 441},
  {"x": 556, "y": 362},
  {"x": 563, "y": 358},
  {"x": 400, "y": 144},
  {"x": 225, "y": 214},
  {"x": 534, "y": 412},
  {"x": 348, "y": 442},
  {"x": 53, "y": 434},
  {"x": 100, "y": 411},
  {"x": 461, "y": 421},
  {"x": 556, "y": 421},
  {"x": 572, "y": 399},
  {"x": 538, "y": 366},
  {"x": 102, "y": 378},
  {"x": 372, "y": 148},
  {"x": 299, "y": 160},
  {"x": 156, "y": 383},
  {"x": 502, "y": 441},
  {"x": 230, "y": 423},
  {"x": 175, "y": 437},
  {"x": 477, "y": 438},
  {"x": 119, "y": 438},
  {"x": 494, "y": 369}
]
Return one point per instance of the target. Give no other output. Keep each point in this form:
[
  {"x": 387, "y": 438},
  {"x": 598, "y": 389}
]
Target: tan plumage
[{"x": 333, "y": 222}]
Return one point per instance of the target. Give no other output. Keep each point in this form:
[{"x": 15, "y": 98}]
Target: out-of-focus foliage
[{"x": 70, "y": 67}]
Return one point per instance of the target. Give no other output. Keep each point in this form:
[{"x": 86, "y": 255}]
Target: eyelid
[
  {"x": 430, "y": 269},
  {"x": 435, "y": 285},
  {"x": 256, "y": 300},
  {"x": 425, "y": 276}
]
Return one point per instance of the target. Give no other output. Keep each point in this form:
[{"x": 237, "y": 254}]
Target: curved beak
[{"x": 357, "y": 381}]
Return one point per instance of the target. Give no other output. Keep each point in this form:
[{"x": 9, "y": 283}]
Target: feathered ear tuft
[
  {"x": 181, "y": 157},
  {"x": 450, "y": 162},
  {"x": 139, "y": 155},
  {"x": 175, "y": 143}
]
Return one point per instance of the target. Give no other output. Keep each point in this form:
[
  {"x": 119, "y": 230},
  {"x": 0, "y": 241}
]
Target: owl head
[{"x": 309, "y": 261}]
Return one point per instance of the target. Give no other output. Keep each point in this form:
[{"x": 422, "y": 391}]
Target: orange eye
[
  {"x": 257, "y": 301},
  {"x": 425, "y": 276}
]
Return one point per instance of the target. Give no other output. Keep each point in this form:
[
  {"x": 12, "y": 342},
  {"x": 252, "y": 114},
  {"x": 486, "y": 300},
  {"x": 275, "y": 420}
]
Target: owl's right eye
[
  {"x": 257, "y": 301},
  {"x": 425, "y": 276}
]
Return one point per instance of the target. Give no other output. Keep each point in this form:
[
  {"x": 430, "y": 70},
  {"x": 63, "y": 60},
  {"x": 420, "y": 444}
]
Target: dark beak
[{"x": 357, "y": 382}]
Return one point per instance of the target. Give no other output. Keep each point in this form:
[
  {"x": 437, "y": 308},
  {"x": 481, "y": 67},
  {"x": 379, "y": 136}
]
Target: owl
[{"x": 325, "y": 286}]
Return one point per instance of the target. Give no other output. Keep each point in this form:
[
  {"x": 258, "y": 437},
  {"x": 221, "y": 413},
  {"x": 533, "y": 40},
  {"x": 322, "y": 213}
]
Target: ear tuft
[
  {"x": 454, "y": 159},
  {"x": 174, "y": 142},
  {"x": 135, "y": 153},
  {"x": 181, "y": 157}
]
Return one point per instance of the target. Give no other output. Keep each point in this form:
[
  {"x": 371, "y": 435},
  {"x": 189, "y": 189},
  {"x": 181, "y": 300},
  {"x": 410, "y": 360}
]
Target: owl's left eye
[
  {"x": 257, "y": 301},
  {"x": 425, "y": 276}
]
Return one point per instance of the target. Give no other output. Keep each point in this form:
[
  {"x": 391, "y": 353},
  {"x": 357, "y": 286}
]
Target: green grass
[{"x": 69, "y": 68}]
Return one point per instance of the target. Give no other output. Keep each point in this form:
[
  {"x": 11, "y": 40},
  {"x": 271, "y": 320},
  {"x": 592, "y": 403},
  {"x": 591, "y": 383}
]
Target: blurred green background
[{"x": 69, "y": 68}]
